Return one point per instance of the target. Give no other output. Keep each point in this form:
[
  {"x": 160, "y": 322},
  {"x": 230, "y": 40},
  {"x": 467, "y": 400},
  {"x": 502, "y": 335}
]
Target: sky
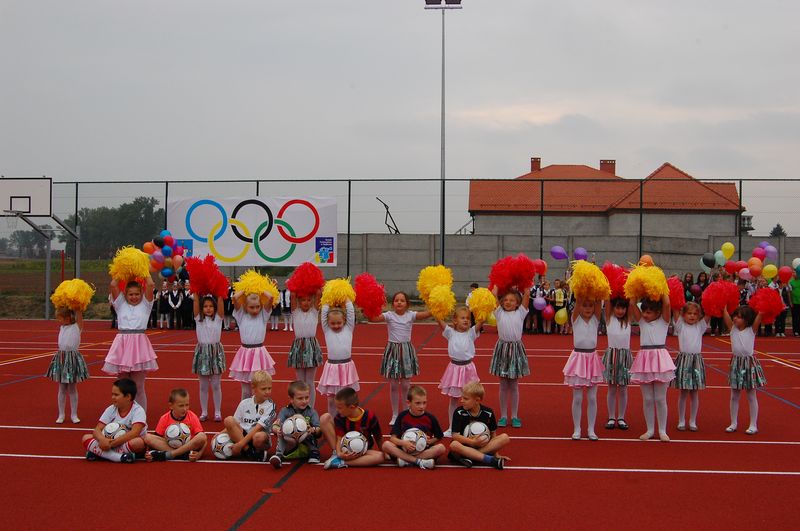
[{"x": 195, "y": 89}]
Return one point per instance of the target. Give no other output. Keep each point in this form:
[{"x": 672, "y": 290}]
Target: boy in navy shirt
[{"x": 415, "y": 417}]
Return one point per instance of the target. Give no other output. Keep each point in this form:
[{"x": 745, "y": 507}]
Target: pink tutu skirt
[
  {"x": 652, "y": 365},
  {"x": 583, "y": 369},
  {"x": 130, "y": 353},
  {"x": 336, "y": 376},
  {"x": 249, "y": 360},
  {"x": 456, "y": 377}
]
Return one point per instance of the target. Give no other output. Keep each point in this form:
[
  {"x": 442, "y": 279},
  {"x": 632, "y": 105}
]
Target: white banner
[{"x": 262, "y": 231}]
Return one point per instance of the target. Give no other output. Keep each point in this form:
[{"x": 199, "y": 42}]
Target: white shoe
[
  {"x": 427, "y": 464},
  {"x": 448, "y": 434},
  {"x": 391, "y": 422},
  {"x": 402, "y": 463}
]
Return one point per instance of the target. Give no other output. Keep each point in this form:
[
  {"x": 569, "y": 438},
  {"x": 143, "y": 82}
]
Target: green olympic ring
[{"x": 257, "y": 246}]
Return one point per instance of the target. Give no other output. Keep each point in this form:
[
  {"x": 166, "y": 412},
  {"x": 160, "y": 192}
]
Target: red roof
[{"x": 667, "y": 188}]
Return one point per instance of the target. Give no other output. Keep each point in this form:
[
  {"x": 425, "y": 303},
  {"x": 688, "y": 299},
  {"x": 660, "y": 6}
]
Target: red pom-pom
[
  {"x": 616, "y": 275},
  {"x": 502, "y": 274},
  {"x": 524, "y": 270},
  {"x": 306, "y": 280},
  {"x": 677, "y": 297},
  {"x": 768, "y": 302},
  {"x": 370, "y": 296},
  {"x": 717, "y": 296},
  {"x": 205, "y": 276}
]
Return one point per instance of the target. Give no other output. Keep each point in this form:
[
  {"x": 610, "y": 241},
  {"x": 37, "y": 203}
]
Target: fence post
[
  {"x": 349, "y": 195},
  {"x": 739, "y": 221},
  {"x": 641, "y": 218},
  {"x": 541, "y": 218},
  {"x": 77, "y": 256},
  {"x": 166, "y": 202}
]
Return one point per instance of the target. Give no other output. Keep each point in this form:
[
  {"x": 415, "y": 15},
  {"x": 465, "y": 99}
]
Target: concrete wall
[{"x": 555, "y": 225}]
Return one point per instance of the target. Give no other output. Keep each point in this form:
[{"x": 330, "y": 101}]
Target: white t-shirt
[
  {"x": 619, "y": 333},
  {"x": 653, "y": 333},
  {"x": 208, "y": 330},
  {"x": 69, "y": 337},
  {"x": 135, "y": 416},
  {"x": 305, "y": 323},
  {"x": 584, "y": 333},
  {"x": 460, "y": 345},
  {"x": 132, "y": 317},
  {"x": 248, "y": 414},
  {"x": 690, "y": 337},
  {"x": 743, "y": 342},
  {"x": 509, "y": 324},
  {"x": 252, "y": 329},
  {"x": 400, "y": 326},
  {"x": 339, "y": 344}
]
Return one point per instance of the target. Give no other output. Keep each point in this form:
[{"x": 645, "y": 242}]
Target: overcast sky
[{"x": 98, "y": 89}]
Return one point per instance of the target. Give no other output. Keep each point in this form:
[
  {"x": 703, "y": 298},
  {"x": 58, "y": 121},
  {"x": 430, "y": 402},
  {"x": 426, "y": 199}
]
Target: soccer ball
[
  {"x": 177, "y": 434},
  {"x": 416, "y": 436},
  {"x": 354, "y": 442},
  {"x": 478, "y": 430},
  {"x": 222, "y": 446},
  {"x": 114, "y": 430},
  {"x": 295, "y": 429}
]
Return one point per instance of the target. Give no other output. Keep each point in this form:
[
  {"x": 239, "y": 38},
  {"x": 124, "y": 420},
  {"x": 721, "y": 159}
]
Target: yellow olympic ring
[{"x": 213, "y": 248}]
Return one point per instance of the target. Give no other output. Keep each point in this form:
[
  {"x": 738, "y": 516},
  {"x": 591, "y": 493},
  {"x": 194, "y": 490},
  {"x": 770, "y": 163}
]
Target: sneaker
[
  {"x": 276, "y": 461},
  {"x": 427, "y": 464},
  {"x": 463, "y": 461},
  {"x": 402, "y": 463},
  {"x": 499, "y": 464},
  {"x": 91, "y": 457},
  {"x": 448, "y": 434},
  {"x": 335, "y": 462},
  {"x": 516, "y": 422},
  {"x": 127, "y": 457},
  {"x": 203, "y": 417},
  {"x": 157, "y": 455},
  {"x": 313, "y": 460},
  {"x": 502, "y": 422},
  {"x": 217, "y": 418}
]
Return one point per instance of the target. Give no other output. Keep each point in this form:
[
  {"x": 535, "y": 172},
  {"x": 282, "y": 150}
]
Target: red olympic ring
[{"x": 301, "y": 239}]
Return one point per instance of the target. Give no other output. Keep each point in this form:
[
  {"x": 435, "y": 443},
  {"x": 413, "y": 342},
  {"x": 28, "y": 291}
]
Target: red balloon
[
  {"x": 785, "y": 274},
  {"x": 548, "y": 313},
  {"x": 169, "y": 240},
  {"x": 156, "y": 265},
  {"x": 540, "y": 266},
  {"x": 760, "y": 253},
  {"x": 741, "y": 264},
  {"x": 731, "y": 267},
  {"x": 177, "y": 250}
]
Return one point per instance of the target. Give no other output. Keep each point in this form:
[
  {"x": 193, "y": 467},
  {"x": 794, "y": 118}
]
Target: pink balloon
[
  {"x": 548, "y": 313},
  {"x": 744, "y": 274},
  {"x": 177, "y": 261},
  {"x": 759, "y": 253},
  {"x": 177, "y": 251},
  {"x": 169, "y": 240},
  {"x": 539, "y": 303}
]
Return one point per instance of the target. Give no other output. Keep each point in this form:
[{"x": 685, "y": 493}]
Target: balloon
[
  {"x": 177, "y": 250},
  {"x": 177, "y": 260},
  {"x": 168, "y": 263},
  {"x": 540, "y": 266},
  {"x": 164, "y": 233},
  {"x": 158, "y": 241},
  {"x": 772, "y": 252},
  {"x": 156, "y": 265},
  {"x": 795, "y": 263},
  {"x": 785, "y": 274},
  {"x": 169, "y": 240},
  {"x": 769, "y": 271},
  {"x": 158, "y": 257},
  {"x": 548, "y": 313},
  {"x": 759, "y": 253},
  {"x": 797, "y": 271},
  {"x": 646, "y": 260},
  {"x": 740, "y": 264},
  {"x": 755, "y": 270},
  {"x": 166, "y": 250},
  {"x": 719, "y": 258},
  {"x": 764, "y": 244},
  {"x": 539, "y": 303},
  {"x": 730, "y": 267},
  {"x": 696, "y": 290},
  {"x": 561, "y": 316},
  {"x": 727, "y": 250},
  {"x": 166, "y": 272},
  {"x": 744, "y": 274},
  {"x": 558, "y": 252},
  {"x": 754, "y": 261},
  {"x": 580, "y": 253},
  {"x": 703, "y": 265},
  {"x": 148, "y": 247},
  {"x": 708, "y": 260}
]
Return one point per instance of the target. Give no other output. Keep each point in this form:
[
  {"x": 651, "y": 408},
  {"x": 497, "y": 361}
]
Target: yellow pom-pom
[
  {"x": 251, "y": 281},
  {"x": 431, "y": 277},
  {"x": 588, "y": 282},
  {"x": 441, "y": 302},
  {"x": 646, "y": 282},
  {"x": 74, "y": 294},
  {"x": 337, "y": 292},
  {"x": 482, "y": 303},
  {"x": 129, "y": 263}
]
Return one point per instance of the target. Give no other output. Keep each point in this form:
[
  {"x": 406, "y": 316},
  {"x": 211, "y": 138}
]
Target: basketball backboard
[{"x": 31, "y": 196}]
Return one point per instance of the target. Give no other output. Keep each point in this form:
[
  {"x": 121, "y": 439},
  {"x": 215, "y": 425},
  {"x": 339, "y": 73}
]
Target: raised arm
[
  {"x": 237, "y": 300},
  {"x": 726, "y": 317},
  {"x": 220, "y": 306},
  {"x": 323, "y": 316},
  {"x": 113, "y": 288},
  {"x": 350, "y": 313},
  {"x": 149, "y": 287},
  {"x": 576, "y": 312},
  {"x": 79, "y": 319},
  {"x": 442, "y": 324},
  {"x": 598, "y": 307},
  {"x": 422, "y": 315},
  {"x": 633, "y": 310},
  {"x": 666, "y": 309},
  {"x": 526, "y": 298},
  {"x": 196, "y": 306},
  {"x": 757, "y": 322}
]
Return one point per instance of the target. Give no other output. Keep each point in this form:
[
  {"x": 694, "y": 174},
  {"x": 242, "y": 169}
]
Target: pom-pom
[
  {"x": 74, "y": 294},
  {"x": 588, "y": 282},
  {"x": 677, "y": 295},
  {"x": 482, "y": 303},
  {"x": 768, "y": 303},
  {"x": 337, "y": 292},
  {"x": 251, "y": 281},
  {"x": 129, "y": 263},
  {"x": 431, "y": 277},
  {"x": 616, "y": 275},
  {"x": 370, "y": 296},
  {"x": 306, "y": 280},
  {"x": 523, "y": 271},
  {"x": 441, "y": 302},
  {"x": 501, "y": 275},
  {"x": 717, "y": 296},
  {"x": 205, "y": 276},
  {"x": 646, "y": 282}
]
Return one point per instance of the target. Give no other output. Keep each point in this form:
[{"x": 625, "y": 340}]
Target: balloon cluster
[
  {"x": 165, "y": 256},
  {"x": 559, "y": 253},
  {"x": 755, "y": 266}
]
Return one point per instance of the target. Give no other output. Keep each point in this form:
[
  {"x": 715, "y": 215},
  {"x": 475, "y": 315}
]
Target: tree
[
  {"x": 4, "y": 245},
  {"x": 777, "y": 230},
  {"x": 28, "y": 243}
]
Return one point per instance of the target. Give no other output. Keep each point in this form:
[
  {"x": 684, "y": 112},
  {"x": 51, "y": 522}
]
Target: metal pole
[
  {"x": 442, "y": 205},
  {"x": 77, "y": 242},
  {"x": 257, "y": 187},
  {"x": 349, "y": 196},
  {"x": 47, "y": 266},
  {"x": 739, "y": 220},
  {"x": 641, "y": 217},
  {"x": 78, "y": 253},
  {"x": 166, "y": 202},
  {"x": 541, "y": 219}
]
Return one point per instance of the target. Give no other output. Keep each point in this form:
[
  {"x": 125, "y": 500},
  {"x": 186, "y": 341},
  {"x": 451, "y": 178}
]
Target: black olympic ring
[{"x": 270, "y": 220}]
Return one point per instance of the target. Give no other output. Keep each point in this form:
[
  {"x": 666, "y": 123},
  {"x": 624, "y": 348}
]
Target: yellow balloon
[
  {"x": 769, "y": 271},
  {"x": 561, "y": 316},
  {"x": 727, "y": 250}
]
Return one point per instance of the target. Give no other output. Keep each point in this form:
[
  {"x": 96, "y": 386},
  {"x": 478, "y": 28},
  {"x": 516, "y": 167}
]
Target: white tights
[
  {"x": 331, "y": 406},
  {"x": 451, "y": 407},
  {"x": 509, "y": 393},
  {"x": 138, "y": 379},
  {"x": 577, "y": 407},
  {"x": 247, "y": 392},
  {"x": 694, "y": 400},
  {"x": 654, "y": 396},
  {"x": 308, "y": 375},
  {"x": 216, "y": 388},
  {"x": 752, "y": 400},
  {"x": 63, "y": 391},
  {"x": 617, "y": 400},
  {"x": 398, "y": 389}
]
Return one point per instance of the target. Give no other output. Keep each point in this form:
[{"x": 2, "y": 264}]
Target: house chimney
[
  {"x": 609, "y": 166},
  {"x": 536, "y": 164}
]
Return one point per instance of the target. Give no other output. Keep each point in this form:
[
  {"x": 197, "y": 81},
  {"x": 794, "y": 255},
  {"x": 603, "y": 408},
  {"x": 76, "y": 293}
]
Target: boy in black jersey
[
  {"x": 415, "y": 417},
  {"x": 466, "y": 450}
]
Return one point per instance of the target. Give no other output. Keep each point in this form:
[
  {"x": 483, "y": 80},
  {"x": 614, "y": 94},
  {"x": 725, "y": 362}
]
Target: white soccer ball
[
  {"x": 416, "y": 436},
  {"x": 478, "y": 430},
  {"x": 354, "y": 442},
  {"x": 295, "y": 428},
  {"x": 114, "y": 430},
  {"x": 177, "y": 434},
  {"x": 222, "y": 446}
]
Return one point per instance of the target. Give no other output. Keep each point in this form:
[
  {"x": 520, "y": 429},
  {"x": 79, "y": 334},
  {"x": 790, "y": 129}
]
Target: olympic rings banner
[{"x": 257, "y": 231}]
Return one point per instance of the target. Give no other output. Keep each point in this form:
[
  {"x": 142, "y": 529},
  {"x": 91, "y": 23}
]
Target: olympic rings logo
[{"x": 243, "y": 233}]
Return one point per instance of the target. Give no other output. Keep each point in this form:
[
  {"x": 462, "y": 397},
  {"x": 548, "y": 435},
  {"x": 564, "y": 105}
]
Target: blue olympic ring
[{"x": 216, "y": 205}]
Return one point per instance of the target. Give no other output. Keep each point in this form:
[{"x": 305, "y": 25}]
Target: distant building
[{"x": 580, "y": 200}]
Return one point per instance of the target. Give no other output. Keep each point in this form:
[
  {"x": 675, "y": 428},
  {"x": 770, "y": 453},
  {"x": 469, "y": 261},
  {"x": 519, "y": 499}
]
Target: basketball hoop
[{"x": 12, "y": 219}]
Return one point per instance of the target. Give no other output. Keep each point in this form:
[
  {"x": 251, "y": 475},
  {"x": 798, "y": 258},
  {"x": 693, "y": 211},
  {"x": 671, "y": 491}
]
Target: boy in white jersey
[
  {"x": 249, "y": 427},
  {"x": 130, "y": 415}
]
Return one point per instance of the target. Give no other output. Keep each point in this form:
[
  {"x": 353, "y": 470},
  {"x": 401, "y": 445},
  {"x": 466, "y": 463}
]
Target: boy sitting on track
[
  {"x": 299, "y": 404},
  {"x": 415, "y": 417},
  {"x": 351, "y": 417},
  {"x": 484, "y": 450},
  {"x": 249, "y": 426},
  {"x": 130, "y": 426},
  {"x": 179, "y": 412}
]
